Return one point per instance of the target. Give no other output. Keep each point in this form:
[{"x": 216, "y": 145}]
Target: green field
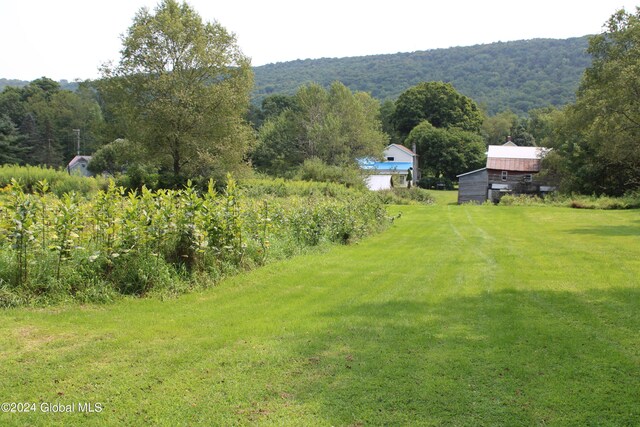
[{"x": 455, "y": 315}]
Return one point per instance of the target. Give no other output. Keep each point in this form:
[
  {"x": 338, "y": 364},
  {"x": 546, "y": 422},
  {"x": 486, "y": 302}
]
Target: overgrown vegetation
[
  {"x": 577, "y": 201},
  {"x": 59, "y": 182},
  {"x": 405, "y": 196},
  {"x": 161, "y": 242}
]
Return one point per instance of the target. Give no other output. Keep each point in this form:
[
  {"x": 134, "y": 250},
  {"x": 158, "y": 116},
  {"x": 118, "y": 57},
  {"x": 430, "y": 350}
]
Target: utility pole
[{"x": 77, "y": 132}]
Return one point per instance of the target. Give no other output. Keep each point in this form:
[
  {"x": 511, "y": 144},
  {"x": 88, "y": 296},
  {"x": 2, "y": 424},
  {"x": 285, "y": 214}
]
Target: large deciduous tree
[
  {"x": 334, "y": 125},
  {"x": 181, "y": 89},
  {"x": 447, "y": 152},
  {"x": 600, "y": 137},
  {"x": 439, "y": 104}
]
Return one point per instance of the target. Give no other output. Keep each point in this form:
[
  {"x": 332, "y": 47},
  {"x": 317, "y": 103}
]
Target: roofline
[
  {"x": 467, "y": 173},
  {"x": 403, "y": 148}
]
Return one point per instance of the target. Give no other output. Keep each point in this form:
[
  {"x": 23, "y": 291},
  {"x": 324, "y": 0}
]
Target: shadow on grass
[
  {"x": 609, "y": 230},
  {"x": 502, "y": 358}
]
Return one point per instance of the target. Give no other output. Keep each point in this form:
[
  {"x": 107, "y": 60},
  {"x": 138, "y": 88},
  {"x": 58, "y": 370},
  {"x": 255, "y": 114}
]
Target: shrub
[
  {"x": 405, "y": 196},
  {"x": 316, "y": 170},
  {"x": 630, "y": 201}
]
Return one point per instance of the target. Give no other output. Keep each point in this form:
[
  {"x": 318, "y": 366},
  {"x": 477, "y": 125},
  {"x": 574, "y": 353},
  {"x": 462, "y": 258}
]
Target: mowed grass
[{"x": 456, "y": 315}]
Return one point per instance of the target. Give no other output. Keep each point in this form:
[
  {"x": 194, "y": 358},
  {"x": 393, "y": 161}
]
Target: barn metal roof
[
  {"x": 514, "y": 158},
  {"x": 521, "y": 165}
]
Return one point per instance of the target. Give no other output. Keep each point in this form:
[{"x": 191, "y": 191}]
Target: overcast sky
[{"x": 70, "y": 39}]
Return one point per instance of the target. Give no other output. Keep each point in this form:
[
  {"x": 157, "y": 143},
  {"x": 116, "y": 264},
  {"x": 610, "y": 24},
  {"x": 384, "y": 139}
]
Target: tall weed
[{"x": 145, "y": 242}]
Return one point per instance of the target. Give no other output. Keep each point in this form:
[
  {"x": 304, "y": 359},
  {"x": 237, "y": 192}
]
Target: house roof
[
  {"x": 79, "y": 159},
  {"x": 514, "y": 158},
  {"x": 403, "y": 148},
  {"x": 386, "y": 167}
]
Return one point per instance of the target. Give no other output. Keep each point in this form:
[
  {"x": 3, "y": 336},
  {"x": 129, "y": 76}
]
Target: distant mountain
[{"x": 519, "y": 75}]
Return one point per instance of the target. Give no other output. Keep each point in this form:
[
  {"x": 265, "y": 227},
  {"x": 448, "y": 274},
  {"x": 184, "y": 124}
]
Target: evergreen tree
[{"x": 11, "y": 149}]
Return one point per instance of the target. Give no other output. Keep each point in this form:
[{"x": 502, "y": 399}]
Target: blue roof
[{"x": 386, "y": 166}]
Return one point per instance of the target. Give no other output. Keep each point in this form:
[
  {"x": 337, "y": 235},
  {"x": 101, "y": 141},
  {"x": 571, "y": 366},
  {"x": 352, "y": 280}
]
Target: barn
[{"x": 510, "y": 170}]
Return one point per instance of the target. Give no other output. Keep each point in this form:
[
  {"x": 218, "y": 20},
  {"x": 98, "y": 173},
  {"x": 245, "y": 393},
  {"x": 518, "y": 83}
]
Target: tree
[
  {"x": 439, "y": 104},
  {"x": 57, "y": 115},
  {"x": 387, "y": 112},
  {"x": 599, "y": 139},
  {"x": 541, "y": 124},
  {"x": 47, "y": 116},
  {"x": 273, "y": 105},
  {"x": 115, "y": 157},
  {"x": 335, "y": 125},
  {"x": 496, "y": 128},
  {"x": 447, "y": 152},
  {"x": 181, "y": 88},
  {"x": 11, "y": 151}
]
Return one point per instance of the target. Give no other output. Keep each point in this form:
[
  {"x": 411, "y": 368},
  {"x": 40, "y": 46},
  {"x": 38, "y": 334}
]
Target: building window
[
  {"x": 390, "y": 159},
  {"x": 528, "y": 178},
  {"x": 505, "y": 175}
]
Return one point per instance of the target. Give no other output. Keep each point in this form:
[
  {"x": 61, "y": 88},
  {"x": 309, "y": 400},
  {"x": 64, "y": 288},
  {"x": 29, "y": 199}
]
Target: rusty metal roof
[
  {"x": 522, "y": 165},
  {"x": 514, "y": 158}
]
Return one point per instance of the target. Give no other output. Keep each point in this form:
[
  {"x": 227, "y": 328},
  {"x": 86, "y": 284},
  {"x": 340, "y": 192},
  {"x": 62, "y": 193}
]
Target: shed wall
[{"x": 472, "y": 187}]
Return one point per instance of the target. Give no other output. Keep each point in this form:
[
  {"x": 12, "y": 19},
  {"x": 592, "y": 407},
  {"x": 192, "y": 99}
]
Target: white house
[
  {"x": 394, "y": 170},
  {"x": 78, "y": 166}
]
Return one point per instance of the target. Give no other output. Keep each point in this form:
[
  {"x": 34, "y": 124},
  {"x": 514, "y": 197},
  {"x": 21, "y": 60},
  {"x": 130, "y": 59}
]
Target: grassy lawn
[{"x": 456, "y": 315}]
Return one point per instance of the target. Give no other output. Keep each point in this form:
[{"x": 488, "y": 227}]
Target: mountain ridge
[{"x": 514, "y": 75}]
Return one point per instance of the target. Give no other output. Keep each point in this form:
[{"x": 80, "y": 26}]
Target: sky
[{"x": 71, "y": 39}]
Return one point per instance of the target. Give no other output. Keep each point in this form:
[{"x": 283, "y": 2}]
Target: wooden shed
[
  {"x": 510, "y": 170},
  {"x": 473, "y": 186}
]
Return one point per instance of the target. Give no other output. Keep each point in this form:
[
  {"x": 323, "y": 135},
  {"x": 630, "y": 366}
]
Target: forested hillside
[{"x": 518, "y": 75}]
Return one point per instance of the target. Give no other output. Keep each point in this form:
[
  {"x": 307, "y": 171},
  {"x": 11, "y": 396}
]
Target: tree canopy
[
  {"x": 439, "y": 104},
  {"x": 335, "y": 125},
  {"x": 446, "y": 152},
  {"x": 45, "y": 118},
  {"x": 181, "y": 89},
  {"x": 599, "y": 137}
]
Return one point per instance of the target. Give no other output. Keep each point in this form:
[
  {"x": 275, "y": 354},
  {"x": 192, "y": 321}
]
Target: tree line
[
  {"x": 177, "y": 107},
  {"x": 40, "y": 123}
]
